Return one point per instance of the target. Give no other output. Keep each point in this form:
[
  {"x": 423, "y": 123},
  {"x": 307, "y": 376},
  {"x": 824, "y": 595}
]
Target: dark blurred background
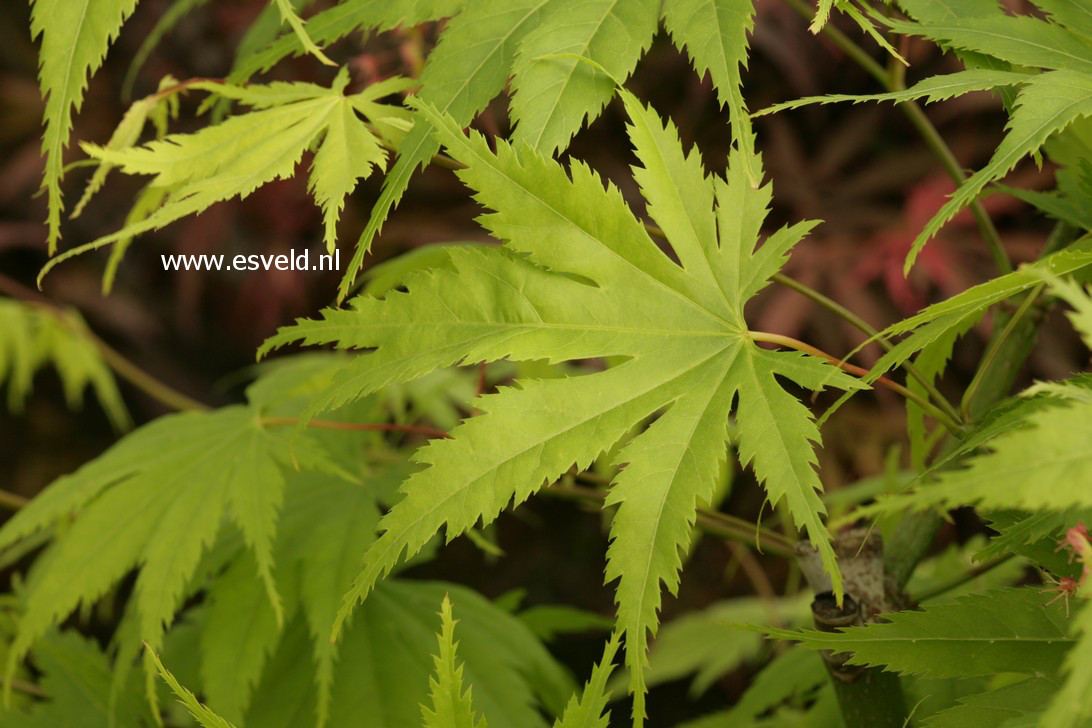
[{"x": 860, "y": 168}]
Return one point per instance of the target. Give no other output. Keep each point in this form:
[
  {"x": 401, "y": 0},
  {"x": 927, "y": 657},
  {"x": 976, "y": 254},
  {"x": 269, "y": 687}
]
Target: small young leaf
[
  {"x": 201, "y": 714},
  {"x": 288, "y": 15},
  {"x": 31, "y": 336},
  {"x": 451, "y": 702},
  {"x": 587, "y": 710},
  {"x": 336, "y": 22},
  {"x": 235, "y": 157},
  {"x": 708, "y": 643},
  {"x": 156, "y": 500}
]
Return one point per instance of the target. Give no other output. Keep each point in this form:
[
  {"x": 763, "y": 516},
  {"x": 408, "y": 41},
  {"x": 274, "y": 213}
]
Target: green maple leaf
[
  {"x": 156, "y": 501},
  {"x": 553, "y": 95},
  {"x": 1069, "y": 707},
  {"x": 1018, "y": 704},
  {"x": 76, "y": 677},
  {"x": 1052, "y": 448},
  {"x": 579, "y": 278},
  {"x": 943, "y": 319},
  {"x": 248, "y": 150},
  {"x": 1006, "y": 630},
  {"x": 75, "y": 35},
  {"x": 1049, "y": 61},
  {"x": 707, "y": 643},
  {"x": 201, "y": 713},
  {"x": 31, "y": 336},
  {"x": 451, "y": 702},
  {"x": 333, "y": 24},
  {"x": 487, "y": 42},
  {"x": 587, "y": 709}
]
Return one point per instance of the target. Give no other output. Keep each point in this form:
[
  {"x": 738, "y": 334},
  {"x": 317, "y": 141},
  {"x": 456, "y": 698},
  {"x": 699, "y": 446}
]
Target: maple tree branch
[
  {"x": 141, "y": 379},
  {"x": 12, "y": 501},
  {"x": 27, "y": 688},
  {"x": 852, "y": 318},
  {"x": 996, "y": 345},
  {"x": 961, "y": 579},
  {"x": 122, "y": 366},
  {"x": 182, "y": 86}
]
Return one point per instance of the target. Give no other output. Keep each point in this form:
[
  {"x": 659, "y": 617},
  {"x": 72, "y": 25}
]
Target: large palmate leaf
[
  {"x": 1007, "y": 630},
  {"x": 155, "y": 501},
  {"x": 579, "y": 278},
  {"x": 75, "y": 35}
]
